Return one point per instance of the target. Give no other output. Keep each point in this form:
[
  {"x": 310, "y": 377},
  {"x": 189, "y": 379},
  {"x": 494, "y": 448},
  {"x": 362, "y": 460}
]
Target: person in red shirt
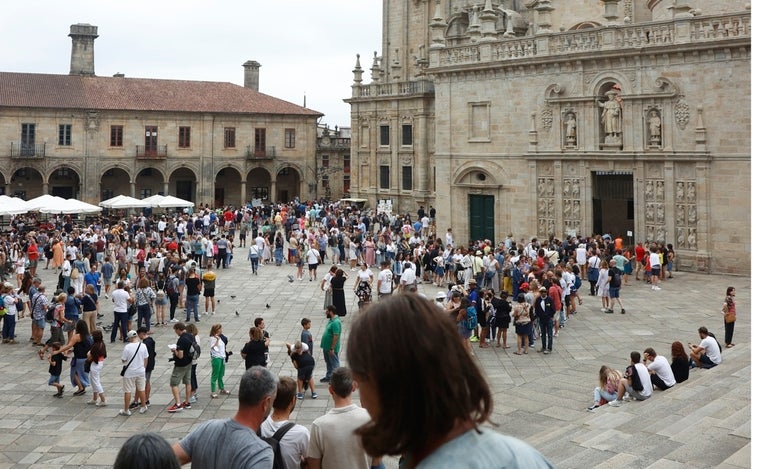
[
  {"x": 33, "y": 255},
  {"x": 555, "y": 292},
  {"x": 618, "y": 243},
  {"x": 639, "y": 257}
]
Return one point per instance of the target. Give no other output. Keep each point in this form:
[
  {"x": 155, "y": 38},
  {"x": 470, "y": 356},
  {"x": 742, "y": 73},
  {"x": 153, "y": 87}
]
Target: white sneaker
[
  {"x": 614, "y": 403},
  {"x": 106, "y": 295},
  {"x": 125, "y": 413},
  {"x": 174, "y": 320},
  {"x": 142, "y": 410},
  {"x": 101, "y": 404}
]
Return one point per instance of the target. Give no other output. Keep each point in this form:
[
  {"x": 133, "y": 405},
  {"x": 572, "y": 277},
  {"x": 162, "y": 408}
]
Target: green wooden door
[{"x": 481, "y": 217}]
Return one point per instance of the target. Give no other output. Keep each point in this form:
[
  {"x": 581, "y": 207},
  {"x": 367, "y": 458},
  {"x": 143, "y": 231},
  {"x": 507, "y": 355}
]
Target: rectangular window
[
  {"x": 407, "y": 134},
  {"x": 260, "y": 142},
  {"x": 28, "y": 134},
  {"x": 145, "y": 193},
  {"x": 346, "y": 172},
  {"x": 289, "y": 138},
  {"x": 184, "y": 137},
  {"x": 384, "y": 135},
  {"x": 64, "y": 135},
  {"x": 479, "y": 122},
  {"x": 107, "y": 194},
  {"x": 117, "y": 135},
  {"x": 230, "y": 137},
  {"x": 407, "y": 178},
  {"x": 384, "y": 177}
]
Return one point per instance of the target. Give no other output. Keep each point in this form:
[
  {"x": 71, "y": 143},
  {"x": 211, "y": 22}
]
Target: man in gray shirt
[{"x": 226, "y": 443}]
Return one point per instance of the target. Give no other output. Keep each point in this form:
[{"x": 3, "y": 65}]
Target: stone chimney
[
  {"x": 251, "y": 74},
  {"x": 83, "y": 37}
]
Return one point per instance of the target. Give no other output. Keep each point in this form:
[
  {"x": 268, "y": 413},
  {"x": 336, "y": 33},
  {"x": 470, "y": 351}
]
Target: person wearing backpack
[
  {"x": 291, "y": 440},
  {"x": 614, "y": 289},
  {"x": 637, "y": 383},
  {"x": 233, "y": 442}
]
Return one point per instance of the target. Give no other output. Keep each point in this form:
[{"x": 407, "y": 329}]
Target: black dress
[{"x": 338, "y": 295}]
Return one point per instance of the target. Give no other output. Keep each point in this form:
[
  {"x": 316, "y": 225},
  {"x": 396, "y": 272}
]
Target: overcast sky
[{"x": 304, "y": 46}]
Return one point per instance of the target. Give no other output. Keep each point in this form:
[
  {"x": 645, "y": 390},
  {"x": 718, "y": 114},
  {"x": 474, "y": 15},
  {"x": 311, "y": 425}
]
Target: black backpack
[
  {"x": 615, "y": 280},
  {"x": 274, "y": 442}
]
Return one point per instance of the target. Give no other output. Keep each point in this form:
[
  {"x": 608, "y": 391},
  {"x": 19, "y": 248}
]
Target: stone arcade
[{"x": 553, "y": 117}]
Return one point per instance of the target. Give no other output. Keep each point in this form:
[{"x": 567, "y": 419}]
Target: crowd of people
[{"x": 145, "y": 263}]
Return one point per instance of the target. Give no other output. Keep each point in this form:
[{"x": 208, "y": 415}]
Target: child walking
[
  {"x": 304, "y": 363},
  {"x": 56, "y": 367}
]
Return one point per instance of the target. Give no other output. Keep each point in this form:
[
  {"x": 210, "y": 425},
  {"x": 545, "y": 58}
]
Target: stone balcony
[
  {"x": 402, "y": 88},
  {"x": 692, "y": 30}
]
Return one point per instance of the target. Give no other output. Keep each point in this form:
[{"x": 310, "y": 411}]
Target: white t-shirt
[
  {"x": 647, "y": 385},
  {"x": 333, "y": 441},
  {"x": 655, "y": 260},
  {"x": 662, "y": 368},
  {"x": 294, "y": 443},
  {"x": 217, "y": 350},
  {"x": 711, "y": 349},
  {"x": 365, "y": 275},
  {"x": 581, "y": 255},
  {"x": 120, "y": 300},
  {"x": 313, "y": 256},
  {"x": 385, "y": 281},
  {"x": 137, "y": 366}
]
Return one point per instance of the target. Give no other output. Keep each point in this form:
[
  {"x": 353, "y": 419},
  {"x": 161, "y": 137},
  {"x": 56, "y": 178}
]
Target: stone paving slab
[{"x": 539, "y": 398}]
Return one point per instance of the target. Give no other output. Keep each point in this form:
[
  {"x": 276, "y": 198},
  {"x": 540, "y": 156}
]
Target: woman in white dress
[{"x": 603, "y": 287}]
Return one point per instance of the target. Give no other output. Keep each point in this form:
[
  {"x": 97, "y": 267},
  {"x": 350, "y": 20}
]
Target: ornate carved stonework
[
  {"x": 545, "y": 206},
  {"x": 406, "y": 159},
  {"x": 655, "y": 210},
  {"x": 682, "y": 113},
  {"x": 572, "y": 204},
  {"x": 547, "y": 118},
  {"x": 685, "y": 220}
]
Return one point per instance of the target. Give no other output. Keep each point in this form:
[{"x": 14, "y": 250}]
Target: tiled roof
[{"x": 35, "y": 90}]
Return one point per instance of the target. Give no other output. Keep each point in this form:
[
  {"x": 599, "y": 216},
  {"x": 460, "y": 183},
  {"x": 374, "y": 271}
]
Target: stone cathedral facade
[{"x": 557, "y": 117}]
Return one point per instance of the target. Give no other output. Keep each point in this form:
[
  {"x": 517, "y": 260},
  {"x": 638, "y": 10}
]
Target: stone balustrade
[
  {"x": 402, "y": 88},
  {"x": 695, "y": 29}
]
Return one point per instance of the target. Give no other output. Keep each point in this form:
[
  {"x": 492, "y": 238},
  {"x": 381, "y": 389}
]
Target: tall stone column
[
  {"x": 422, "y": 157},
  {"x": 165, "y": 188},
  {"x": 243, "y": 192},
  {"x": 272, "y": 192},
  {"x": 132, "y": 188}
]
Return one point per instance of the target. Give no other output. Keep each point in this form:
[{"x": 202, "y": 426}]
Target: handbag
[
  {"x": 730, "y": 318},
  {"x": 123, "y": 369}
]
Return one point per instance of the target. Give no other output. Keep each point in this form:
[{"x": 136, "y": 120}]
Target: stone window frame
[{"x": 472, "y": 133}]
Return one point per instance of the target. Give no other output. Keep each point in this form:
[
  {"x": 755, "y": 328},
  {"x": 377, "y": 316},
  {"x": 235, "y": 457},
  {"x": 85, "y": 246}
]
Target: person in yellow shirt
[{"x": 209, "y": 290}]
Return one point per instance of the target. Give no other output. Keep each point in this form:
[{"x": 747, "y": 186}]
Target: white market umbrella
[
  {"x": 82, "y": 207},
  {"x": 151, "y": 201},
  {"x": 12, "y": 205},
  {"x": 40, "y": 202},
  {"x": 59, "y": 205},
  {"x": 170, "y": 201},
  {"x": 123, "y": 202}
]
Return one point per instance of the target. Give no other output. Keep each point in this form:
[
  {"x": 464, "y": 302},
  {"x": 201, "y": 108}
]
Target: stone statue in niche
[
  {"x": 680, "y": 191},
  {"x": 654, "y": 127},
  {"x": 680, "y": 238},
  {"x": 551, "y": 208},
  {"x": 691, "y": 192},
  {"x": 577, "y": 208},
  {"x": 650, "y": 233},
  {"x": 550, "y": 228},
  {"x": 679, "y": 215},
  {"x": 566, "y": 209},
  {"x": 660, "y": 215},
  {"x": 611, "y": 117},
  {"x": 543, "y": 226},
  {"x": 542, "y": 207},
  {"x": 692, "y": 238},
  {"x": 649, "y": 190},
  {"x": 541, "y": 187},
  {"x": 661, "y": 238},
  {"x": 549, "y": 187},
  {"x": 566, "y": 188},
  {"x": 659, "y": 190},
  {"x": 575, "y": 189},
  {"x": 649, "y": 213},
  {"x": 691, "y": 214},
  {"x": 570, "y": 130}
]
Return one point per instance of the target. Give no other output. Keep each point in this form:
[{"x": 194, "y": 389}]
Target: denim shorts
[
  {"x": 54, "y": 379},
  {"x": 40, "y": 323},
  {"x": 613, "y": 292}
]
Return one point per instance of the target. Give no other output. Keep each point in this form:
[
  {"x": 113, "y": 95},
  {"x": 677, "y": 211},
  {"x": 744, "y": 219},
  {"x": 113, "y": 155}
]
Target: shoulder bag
[{"x": 123, "y": 369}]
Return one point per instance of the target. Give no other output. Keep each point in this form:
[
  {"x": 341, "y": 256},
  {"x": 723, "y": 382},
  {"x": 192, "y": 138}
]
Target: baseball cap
[
  {"x": 543, "y": 289},
  {"x": 524, "y": 286},
  {"x": 441, "y": 295},
  {"x": 131, "y": 334}
]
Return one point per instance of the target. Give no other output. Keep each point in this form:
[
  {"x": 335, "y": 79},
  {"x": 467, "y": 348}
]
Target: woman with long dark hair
[
  {"x": 680, "y": 362},
  {"x": 729, "y": 309},
  {"x": 426, "y": 397},
  {"x": 81, "y": 342},
  {"x": 338, "y": 292}
]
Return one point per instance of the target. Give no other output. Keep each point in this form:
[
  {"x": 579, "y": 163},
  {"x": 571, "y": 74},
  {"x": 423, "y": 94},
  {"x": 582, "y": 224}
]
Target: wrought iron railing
[
  {"x": 27, "y": 150},
  {"x": 152, "y": 152}
]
